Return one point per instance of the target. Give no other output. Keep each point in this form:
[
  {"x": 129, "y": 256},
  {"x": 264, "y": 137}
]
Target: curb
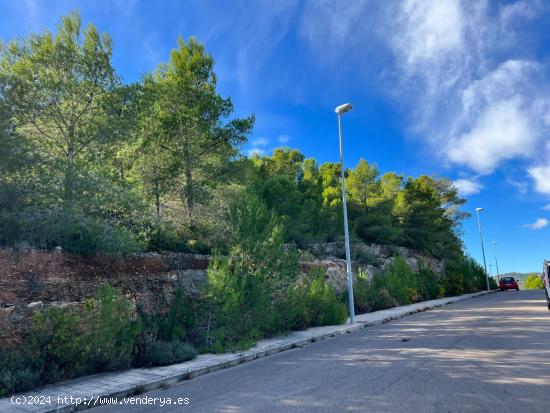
[{"x": 116, "y": 385}]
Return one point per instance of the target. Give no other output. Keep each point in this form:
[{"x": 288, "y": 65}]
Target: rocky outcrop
[
  {"x": 33, "y": 280},
  {"x": 366, "y": 260}
]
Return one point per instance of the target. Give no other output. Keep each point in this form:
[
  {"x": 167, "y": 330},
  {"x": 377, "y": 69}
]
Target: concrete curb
[{"x": 86, "y": 392}]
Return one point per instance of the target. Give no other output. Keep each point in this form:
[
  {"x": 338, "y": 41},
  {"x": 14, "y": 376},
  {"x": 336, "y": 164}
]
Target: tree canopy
[{"x": 160, "y": 162}]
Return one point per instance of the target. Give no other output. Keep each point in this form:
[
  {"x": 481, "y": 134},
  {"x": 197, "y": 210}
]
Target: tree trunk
[
  {"x": 188, "y": 186},
  {"x": 68, "y": 190}
]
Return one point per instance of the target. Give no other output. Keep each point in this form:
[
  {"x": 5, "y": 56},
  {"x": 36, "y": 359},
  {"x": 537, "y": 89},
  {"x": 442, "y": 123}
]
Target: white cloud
[
  {"x": 546, "y": 207},
  {"x": 522, "y": 187},
  {"x": 432, "y": 28},
  {"x": 467, "y": 186},
  {"x": 538, "y": 224},
  {"x": 283, "y": 139},
  {"x": 255, "y": 152},
  {"x": 502, "y": 131},
  {"x": 541, "y": 176},
  {"x": 472, "y": 104},
  {"x": 514, "y": 11},
  {"x": 262, "y": 141}
]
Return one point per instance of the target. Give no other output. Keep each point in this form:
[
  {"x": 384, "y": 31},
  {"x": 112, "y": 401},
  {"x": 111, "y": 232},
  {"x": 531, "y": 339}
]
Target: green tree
[
  {"x": 192, "y": 122},
  {"x": 361, "y": 184},
  {"x": 533, "y": 282},
  {"x": 60, "y": 91}
]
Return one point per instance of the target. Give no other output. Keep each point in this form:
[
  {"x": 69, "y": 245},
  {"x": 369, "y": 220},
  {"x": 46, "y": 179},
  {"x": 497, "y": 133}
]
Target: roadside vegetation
[
  {"x": 533, "y": 282},
  {"x": 95, "y": 165}
]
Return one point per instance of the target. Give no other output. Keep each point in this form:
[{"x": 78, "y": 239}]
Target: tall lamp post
[
  {"x": 496, "y": 261},
  {"x": 340, "y": 110},
  {"x": 478, "y": 210}
]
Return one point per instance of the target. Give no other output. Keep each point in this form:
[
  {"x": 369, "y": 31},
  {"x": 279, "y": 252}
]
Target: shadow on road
[{"x": 486, "y": 354}]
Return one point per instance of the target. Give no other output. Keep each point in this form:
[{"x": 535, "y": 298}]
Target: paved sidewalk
[{"x": 86, "y": 392}]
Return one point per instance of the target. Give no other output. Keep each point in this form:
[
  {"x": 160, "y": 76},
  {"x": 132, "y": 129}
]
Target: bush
[
  {"x": 315, "y": 304},
  {"x": 399, "y": 281},
  {"x": 361, "y": 290},
  {"x": 163, "y": 353},
  {"x": 66, "y": 343},
  {"x": 533, "y": 282},
  {"x": 464, "y": 275},
  {"x": 254, "y": 293},
  {"x": 379, "y": 298},
  {"x": 398, "y": 285},
  {"x": 72, "y": 231},
  {"x": 428, "y": 286},
  {"x": 16, "y": 373}
]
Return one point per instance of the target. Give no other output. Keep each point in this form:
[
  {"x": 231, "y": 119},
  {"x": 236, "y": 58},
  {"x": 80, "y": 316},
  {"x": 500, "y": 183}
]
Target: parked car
[{"x": 508, "y": 283}]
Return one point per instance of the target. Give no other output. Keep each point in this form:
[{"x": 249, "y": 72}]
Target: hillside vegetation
[
  {"x": 96, "y": 165},
  {"x": 91, "y": 163}
]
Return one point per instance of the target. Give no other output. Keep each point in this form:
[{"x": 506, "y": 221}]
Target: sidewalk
[{"x": 85, "y": 392}]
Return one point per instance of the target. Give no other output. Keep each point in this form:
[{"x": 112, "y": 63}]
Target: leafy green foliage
[
  {"x": 399, "y": 285},
  {"x": 16, "y": 375},
  {"x": 104, "y": 335},
  {"x": 163, "y": 353},
  {"x": 74, "y": 232},
  {"x": 533, "y": 282},
  {"x": 155, "y": 164},
  {"x": 312, "y": 302},
  {"x": 254, "y": 292},
  {"x": 69, "y": 343}
]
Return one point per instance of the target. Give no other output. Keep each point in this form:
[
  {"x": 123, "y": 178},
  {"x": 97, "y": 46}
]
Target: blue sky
[{"x": 450, "y": 88}]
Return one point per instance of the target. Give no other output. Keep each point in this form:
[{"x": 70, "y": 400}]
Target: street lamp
[
  {"x": 478, "y": 210},
  {"x": 496, "y": 262},
  {"x": 340, "y": 110}
]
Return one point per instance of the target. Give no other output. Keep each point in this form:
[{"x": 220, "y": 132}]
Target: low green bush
[
  {"x": 316, "y": 304},
  {"x": 533, "y": 282},
  {"x": 72, "y": 231},
  {"x": 65, "y": 343},
  {"x": 399, "y": 280},
  {"x": 428, "y": 285},
  {"x": 16, "y": 373},
  {"x": 361, "y": 290},
  {"x": 163, "y": 353}
]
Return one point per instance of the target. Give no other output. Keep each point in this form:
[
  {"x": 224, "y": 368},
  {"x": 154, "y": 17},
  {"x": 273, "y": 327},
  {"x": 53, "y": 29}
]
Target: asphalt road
[{"x": 487, "y": 354}]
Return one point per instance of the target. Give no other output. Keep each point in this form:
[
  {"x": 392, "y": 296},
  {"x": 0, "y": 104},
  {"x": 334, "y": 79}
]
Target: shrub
[
  {"x": 66, "y": 343},
  {"x": 533, "y": 282},
  {"x": 253, "y": 293},
  {"x": 361, "y": 290},
  {"x": 428, "y": 286},
  {"x": 163, "y": 353},
  {"x": 16, "y": 373},
  {"x": 399, "y": 281},
  {"x": 72, "y": 231},
  {"x": 319, "y": 304},
  {"x": 381, "y": 299}
]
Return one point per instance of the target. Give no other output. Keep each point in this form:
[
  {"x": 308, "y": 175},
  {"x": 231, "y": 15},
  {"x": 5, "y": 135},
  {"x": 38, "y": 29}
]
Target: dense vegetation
[
  {"x": 90, "y": 163},
  {"x": 533, "y": 282},
  {"x": 93, "y": 164}
]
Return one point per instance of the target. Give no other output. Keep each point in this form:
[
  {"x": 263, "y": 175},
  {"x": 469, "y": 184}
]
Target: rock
[{"x": 35, "y": 305}]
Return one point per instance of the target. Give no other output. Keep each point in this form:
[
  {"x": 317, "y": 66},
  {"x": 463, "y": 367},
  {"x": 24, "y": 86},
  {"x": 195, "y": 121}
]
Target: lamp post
[
  {"x": 496, "y": 261},
  {"x": 340, "y": 110},
  {"x": 478, "y": 210}
]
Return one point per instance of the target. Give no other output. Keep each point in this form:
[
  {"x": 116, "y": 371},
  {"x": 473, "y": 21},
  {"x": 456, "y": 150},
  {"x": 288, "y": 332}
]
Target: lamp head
[
  {"x": 346, "y": 107},
  {"x": 479, "y": 209}
]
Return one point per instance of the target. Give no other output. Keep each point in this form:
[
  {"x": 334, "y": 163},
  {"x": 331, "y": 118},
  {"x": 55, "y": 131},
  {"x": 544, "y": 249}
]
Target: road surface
[{"x": 487, "y": 354}]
